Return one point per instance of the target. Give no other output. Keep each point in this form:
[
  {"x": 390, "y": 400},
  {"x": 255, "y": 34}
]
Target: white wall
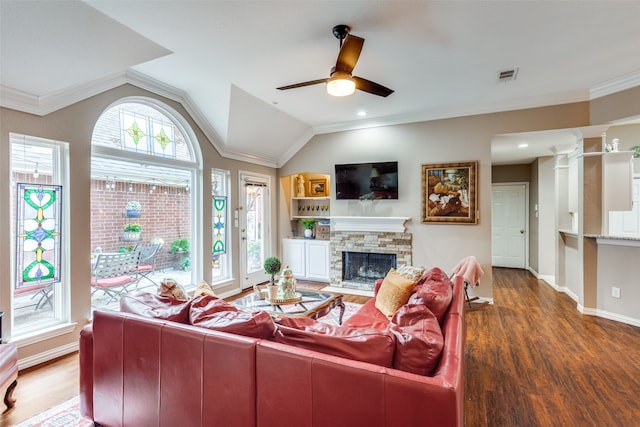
[{"x": 546, "y": 219}]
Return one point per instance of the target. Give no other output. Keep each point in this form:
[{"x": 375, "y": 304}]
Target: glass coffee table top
[{"x": 311, "y": 304}]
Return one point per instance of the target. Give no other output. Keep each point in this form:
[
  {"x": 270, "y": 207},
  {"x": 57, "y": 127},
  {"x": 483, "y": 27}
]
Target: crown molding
[
  {"x": 295, "y": 147},
  {"x": 617, "y": 85},
  {"x": 46, "y": 104},
  {"x": 43, "y": 105},
  {"x": 170, "y": 92},
  {"x": 488, "y": 108}
]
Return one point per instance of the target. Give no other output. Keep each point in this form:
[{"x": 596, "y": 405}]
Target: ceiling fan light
[{"x": 341, "y": 84}]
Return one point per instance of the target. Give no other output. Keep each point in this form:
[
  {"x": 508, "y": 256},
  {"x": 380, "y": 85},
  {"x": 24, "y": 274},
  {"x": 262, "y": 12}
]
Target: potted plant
[
  {"x": 133, "y": 209},
  {"x": 272, "y": 266},
  {"x": 132, "y": 232},
  {"x": 308, "y": 224},
  {"x": 180, "y": 251}
]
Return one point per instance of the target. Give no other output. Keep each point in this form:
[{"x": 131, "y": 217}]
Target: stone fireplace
[{"x": 364, "y": 248}]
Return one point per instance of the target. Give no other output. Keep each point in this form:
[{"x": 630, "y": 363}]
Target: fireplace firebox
[{"x": 360, "y": 267}]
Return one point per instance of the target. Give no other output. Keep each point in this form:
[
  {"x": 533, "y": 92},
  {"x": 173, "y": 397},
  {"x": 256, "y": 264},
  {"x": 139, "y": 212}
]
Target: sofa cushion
[
  {"x": 394, "y": 292},
  {"x": 410, "y": 272},
  {"x": 419, "y": 339},
  {"x": 435, "y": 291},
  {"x": 155, "y": 306},
  {"x": 216, "y": 314},
  {"x": 368, "y": 316},
  {"x": 366, "y": 345}
]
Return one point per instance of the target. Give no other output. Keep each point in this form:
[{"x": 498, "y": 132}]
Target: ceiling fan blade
[
  {"x": 372, "y": 87},
  {"x": 309, "y": 83},
  {"x": 349, "y": 53}
]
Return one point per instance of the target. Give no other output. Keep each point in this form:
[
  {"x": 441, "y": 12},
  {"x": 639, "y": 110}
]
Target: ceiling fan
[{"x": 341, "y": 82}]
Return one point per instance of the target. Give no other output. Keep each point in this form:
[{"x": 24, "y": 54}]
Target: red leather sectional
[{"x": 137, "y": 371}]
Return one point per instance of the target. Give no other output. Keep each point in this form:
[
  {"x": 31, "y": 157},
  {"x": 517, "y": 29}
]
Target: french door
[{"x": 255, "y": 241}]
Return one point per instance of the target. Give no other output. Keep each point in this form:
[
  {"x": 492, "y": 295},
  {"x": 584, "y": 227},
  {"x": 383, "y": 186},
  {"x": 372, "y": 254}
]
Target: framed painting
[
  {"x": 449, "y": 193},
  {"x": 317, "y": 187}
]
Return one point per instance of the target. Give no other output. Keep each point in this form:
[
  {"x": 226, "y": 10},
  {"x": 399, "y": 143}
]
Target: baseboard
[
  {"x": 348, "y": 291},
  {"x": 48, "y": 355},
  {"x": 594, "y": 311}
]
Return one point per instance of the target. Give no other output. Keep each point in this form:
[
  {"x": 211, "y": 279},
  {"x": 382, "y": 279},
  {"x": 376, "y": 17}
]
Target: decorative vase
[
  {"x": 308, "y": 233},
  {"x": 272, "y": 291},
  {"x": 287, "y": 285},
  {"x": 133, "y": 213}
]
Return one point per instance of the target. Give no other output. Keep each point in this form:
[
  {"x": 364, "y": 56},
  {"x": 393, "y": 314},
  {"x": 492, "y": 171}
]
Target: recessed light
[
  {"x": 362, "y": 113},
  {"x": 523, "y": 145}
]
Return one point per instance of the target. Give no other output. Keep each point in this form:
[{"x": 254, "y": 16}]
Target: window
[
  {"x": 144, "y": 152},
  {"x": 220, "y": 261},
  {"x": 39, "y": 220}
]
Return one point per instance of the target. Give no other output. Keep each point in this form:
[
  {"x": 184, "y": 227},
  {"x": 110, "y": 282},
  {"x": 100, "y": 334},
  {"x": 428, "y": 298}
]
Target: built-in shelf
[{"x": 311, "y": 205}]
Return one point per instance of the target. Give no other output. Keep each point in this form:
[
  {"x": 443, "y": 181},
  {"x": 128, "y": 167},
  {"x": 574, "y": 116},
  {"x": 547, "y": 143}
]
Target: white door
[
  {"x": 254, "y": 223},
  {"x": 508, "y": 225}
]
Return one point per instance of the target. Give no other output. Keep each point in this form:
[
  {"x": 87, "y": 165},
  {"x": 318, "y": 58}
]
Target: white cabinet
[
  {"x": 293, "y": 255},
  {"x": 307, "y": 258}
]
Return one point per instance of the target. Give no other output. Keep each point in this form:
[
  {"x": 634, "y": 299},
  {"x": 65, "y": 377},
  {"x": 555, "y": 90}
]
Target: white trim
[
  {"x": 44, "y": 334},
  {"x": 617, "y": 85},
  {"x": 382, "y": 224},
  {"x": 618, "y": 241},
  {"x": 595, "y": 311},
  {"x": 48, "y": 355},
  {"x": 612, "y": 316}
]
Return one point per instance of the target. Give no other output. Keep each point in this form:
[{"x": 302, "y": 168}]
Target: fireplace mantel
[{"x": 384, "y": 224}]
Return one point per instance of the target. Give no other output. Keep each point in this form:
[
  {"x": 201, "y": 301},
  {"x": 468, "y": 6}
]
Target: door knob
[{"x": 521, "y": 231}]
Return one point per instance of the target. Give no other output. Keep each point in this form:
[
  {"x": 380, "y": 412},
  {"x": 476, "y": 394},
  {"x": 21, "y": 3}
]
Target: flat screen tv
[{"x": 367, "y": 181}]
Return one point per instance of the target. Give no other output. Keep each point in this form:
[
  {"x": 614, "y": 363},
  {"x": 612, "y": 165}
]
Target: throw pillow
[
  {"x": 419, "y": 340},
  {"x": 410, "y": 272},
  {"x": 171, "y": 288},
  {"x": 218, "y": 315},
  {"x": 394, "y": 293},
  {"x": 154, "y": 306},
  {"x": 203, "y": 289},
  {"x": 435, "y": 292},
  {"x": 365, "y": 345}
]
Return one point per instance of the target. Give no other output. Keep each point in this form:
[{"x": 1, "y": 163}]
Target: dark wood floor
[{"x": 531, "y": 360}]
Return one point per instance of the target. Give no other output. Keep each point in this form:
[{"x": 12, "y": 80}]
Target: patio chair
[
  {"x": 147, "y": 264},
  {"x": 113, "y": 273},
  {"x": 42, "y": 292}
]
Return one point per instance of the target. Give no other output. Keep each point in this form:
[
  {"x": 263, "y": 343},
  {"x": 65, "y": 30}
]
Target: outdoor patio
[{"x": 30, "y": 308}]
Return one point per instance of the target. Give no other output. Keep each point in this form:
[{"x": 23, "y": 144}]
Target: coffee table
[{"x": 311, "y": 304}]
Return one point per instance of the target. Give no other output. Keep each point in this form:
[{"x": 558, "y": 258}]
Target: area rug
[
  {"x": 350, "y": 308},
  {"x": 66, "y": 414}
]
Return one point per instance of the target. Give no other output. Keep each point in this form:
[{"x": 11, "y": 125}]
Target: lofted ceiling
[{"x": 224, "y": 59}]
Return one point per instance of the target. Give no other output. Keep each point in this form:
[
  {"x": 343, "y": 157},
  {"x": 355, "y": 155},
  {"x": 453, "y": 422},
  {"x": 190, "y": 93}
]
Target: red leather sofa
[{"x": 137, "y": 371}]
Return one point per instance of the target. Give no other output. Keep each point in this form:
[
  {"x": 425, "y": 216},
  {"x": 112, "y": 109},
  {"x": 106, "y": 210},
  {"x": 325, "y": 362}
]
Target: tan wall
[
  {"x": 74, "y": 125},
  {"x": 440, "y": 141},
  {"x": 621, "y": 105},
  {"x": 510, "y": 173}
]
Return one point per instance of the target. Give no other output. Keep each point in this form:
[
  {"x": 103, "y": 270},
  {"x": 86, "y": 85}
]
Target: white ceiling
[{"x": 224, "y": 59}]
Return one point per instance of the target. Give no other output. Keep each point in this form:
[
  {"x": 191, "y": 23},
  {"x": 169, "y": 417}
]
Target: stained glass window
[
  {"x": 38, "y": 234},
  {"x": 220, "y": 258},
  {"x": 142, "y": 129},
  {"x": 144, "y": 134},
  {"x": 219, "y": 225}
]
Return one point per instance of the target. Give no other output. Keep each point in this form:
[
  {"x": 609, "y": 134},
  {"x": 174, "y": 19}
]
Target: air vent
[{"x": 507, "y": 75}]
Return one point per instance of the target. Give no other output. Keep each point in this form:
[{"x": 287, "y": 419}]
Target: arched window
[{"x": 144, "y": 156}]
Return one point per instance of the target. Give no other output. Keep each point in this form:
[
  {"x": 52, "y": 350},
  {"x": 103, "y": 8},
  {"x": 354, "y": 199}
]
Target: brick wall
[{"x": 166, "y": 214}]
